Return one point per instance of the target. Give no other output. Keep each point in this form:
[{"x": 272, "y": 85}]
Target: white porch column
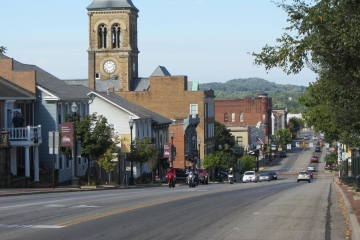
[
  {"x": 13, "y": 161},
  {"x": 36, "y": 163},
  {"x": 27, "y": 162}
]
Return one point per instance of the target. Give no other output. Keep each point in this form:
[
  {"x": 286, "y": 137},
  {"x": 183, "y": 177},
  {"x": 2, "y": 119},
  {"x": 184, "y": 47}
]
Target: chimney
[{"x": 111, "y": 89}]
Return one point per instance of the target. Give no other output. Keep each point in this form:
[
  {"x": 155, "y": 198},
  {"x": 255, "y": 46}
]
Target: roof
[
  {"x": 53, "y": 85},
  {"x": 135, "y": 109},
  {"x": 160, "y": 71},
  {"x": 111, "y": 5},
  {"x": 9, "y": 90},
  {"x": 140, "y": 84}
]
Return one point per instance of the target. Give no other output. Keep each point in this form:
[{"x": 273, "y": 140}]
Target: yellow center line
[{"x": 121, "y": 210}]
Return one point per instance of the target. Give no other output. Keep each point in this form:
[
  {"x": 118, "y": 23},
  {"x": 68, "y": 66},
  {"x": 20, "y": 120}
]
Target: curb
[{"x": 354, "y": 224}]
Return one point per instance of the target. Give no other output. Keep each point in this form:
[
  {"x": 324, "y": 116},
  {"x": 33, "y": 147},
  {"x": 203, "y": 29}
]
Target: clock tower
[{"x": 113, "y": 52}]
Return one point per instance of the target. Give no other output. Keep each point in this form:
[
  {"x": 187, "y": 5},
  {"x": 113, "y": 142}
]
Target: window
[
  {"x": 226, "y": 117},
  {"x": 239, "y": 141},
  {"x": 193, "y": 139},
  {"x": 102, "y": 36},
  {"x": 61, "y": 166},
  {"x": 97, "y": 75},
  {"x": 116, "y": 36},
  {"x": 233, "y": 117},
  {"x": 193, "y": 109},
  {"x": 187, "y": 146}
]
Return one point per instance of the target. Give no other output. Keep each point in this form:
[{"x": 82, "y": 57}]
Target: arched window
[
  {"x": 102, "y": 36},
  {"x": 226, "y": 117},
  {"x": 233, "y": 117},
  {"x": 116, "y": 36}
]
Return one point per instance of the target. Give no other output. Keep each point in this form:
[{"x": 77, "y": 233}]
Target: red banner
[
  {"x": 67, "y": 134},
  {"x": 167, "y": 150}
]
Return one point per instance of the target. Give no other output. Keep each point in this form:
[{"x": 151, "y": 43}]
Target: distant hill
[{"x": 284, "y": 96}]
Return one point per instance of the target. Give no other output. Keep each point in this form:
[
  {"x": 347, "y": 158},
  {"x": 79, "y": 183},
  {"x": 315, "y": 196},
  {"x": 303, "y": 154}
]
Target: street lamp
[
  {"x": 131, "y": 179},
  {"x": 269, "y": 143},
  {"x": 172, "y": 149},
  {"x": 75, "y": 179},
  {"x": 199, "y": 142}
]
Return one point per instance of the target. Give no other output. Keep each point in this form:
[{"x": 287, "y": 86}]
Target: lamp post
[
  {"x": 131, "y": 179},
  {"x": 199, "y": 142},
  {"x": 75, "y": 179},
  {"x": 172, "y": 149},
  {"x": 269, "y": 149}
]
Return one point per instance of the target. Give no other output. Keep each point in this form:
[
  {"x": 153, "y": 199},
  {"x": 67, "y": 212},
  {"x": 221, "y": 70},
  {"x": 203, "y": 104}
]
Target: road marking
[
  {"x": 55, "y": 206},
  {"x": 121, "y": 210},
  {"x": 256, "y": 212},
  {"x": 84, "y": 206},
  {"x": 31, "y": 226}
]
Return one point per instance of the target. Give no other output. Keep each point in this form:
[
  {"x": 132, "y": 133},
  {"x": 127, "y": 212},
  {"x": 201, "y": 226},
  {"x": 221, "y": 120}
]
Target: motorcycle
[
  {"x": 191, "y": 180},
  {"x": 231, "y": 178},
  {"x": 171, "y": 180}
]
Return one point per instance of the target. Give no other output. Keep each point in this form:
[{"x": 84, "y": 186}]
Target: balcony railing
[{"x": 29, "y": 133}]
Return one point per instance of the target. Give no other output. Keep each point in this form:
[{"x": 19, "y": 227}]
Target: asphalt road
[{"x": 280, "y": 209}]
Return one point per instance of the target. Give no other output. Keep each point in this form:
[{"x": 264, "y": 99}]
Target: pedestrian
[{"x": 17, "y": 120}]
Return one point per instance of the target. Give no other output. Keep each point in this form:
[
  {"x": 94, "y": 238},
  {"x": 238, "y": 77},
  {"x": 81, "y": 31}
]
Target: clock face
[{"x": 109, "y": 66}]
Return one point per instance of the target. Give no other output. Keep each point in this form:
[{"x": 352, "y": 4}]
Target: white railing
[{"x": 29, "y": 133}]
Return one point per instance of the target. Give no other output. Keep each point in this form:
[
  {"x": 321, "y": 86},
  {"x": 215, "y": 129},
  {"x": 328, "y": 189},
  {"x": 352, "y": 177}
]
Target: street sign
[
  {"x": 53, "y": 142},
  {"x": 288, "y": 146},
  {"x": 311, "y": 144}
]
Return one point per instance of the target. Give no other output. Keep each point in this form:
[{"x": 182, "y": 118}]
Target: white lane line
[
  {"x": 31, "y": 226},
  {"x": 84, "y": 206},
  {"x": 256, "y": 212}
]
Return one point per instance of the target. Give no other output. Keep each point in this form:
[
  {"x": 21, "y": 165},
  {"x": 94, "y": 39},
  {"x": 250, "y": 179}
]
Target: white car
[
  {"x": 311, "y": 168},
  {"x": 250, "y": 176},
  {"x": 314, "y": 137}
]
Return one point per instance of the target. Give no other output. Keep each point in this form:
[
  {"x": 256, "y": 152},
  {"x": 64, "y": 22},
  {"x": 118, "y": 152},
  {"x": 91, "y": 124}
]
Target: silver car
[
  {"x": 250, "y": 176},
  {"x": 264, "y": 177}
]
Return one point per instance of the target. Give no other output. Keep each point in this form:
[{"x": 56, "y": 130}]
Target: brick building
[
  {"x": 247, "y": 118},
  {"x": 184, "y": 131}
]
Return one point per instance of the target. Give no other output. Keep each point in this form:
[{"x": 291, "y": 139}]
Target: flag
[{"x": 259, "y": 141}]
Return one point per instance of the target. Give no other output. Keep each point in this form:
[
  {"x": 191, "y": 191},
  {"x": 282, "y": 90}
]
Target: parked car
[
  {"x": 314, "y": 137},
  {"x": 282, "y": 154},
  {"x": 264, "y": 177},
  {"x": 250, "y": 176},
  {"x": 273, "y": 175},
  {"x": 328, "y": 166},
  {"x": 317, "y": 149},
  {"x": 311, "y": 168},
  {"x": 315, "y": 159},
  {"x": 310, "y": 173},
  {"x": 306, "y": 138},
  {"x": 303, "y": 176}
]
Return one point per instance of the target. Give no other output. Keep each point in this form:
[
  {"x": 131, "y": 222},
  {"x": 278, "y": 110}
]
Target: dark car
[
  {"x": 310, "y": 173},
  {"x": 317, "y": 149},
  {"x": 282, "y": 154},
  {"x": 273, "y": 175},
  {"x": 181, "y": 174}
]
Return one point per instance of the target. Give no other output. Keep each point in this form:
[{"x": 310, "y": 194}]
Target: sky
[{"x": 206, "y": 40}]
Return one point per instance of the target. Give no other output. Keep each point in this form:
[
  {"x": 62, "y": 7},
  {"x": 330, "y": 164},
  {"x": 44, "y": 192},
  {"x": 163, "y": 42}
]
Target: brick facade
[
  {"x": 245, "y": 112},
  {"x": 168, "y": 96}
]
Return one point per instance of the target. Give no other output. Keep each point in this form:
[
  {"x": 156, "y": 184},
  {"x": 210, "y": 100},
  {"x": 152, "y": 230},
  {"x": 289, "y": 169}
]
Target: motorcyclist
[
  {"x": 231, "y": 171},
  {"x": 171, "y": 172}
]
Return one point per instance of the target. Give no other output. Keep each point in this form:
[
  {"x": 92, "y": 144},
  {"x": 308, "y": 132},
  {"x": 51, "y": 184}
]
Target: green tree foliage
[
  {"x": 295, "y": 125},
  {"x": 330, "y": 159},
  {"x": 97, "y": 140},
  {"x": 143, "y": 152},
  {"x": 248, "y": 163},
  {"x": 282, "y": 137},
  {"x": 219, "y": 159},
  {"x": 2, "y": 49},
  {"x": 223, "y": 136},
  {"x": 324, "y": 37}
]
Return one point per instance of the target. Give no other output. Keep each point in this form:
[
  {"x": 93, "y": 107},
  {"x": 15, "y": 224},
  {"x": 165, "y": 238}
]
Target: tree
[
  {"x": 295, "y": 125},
  {"x": 326, "y": 40},
  {"x": 282, "y": 137},
  {"x": 223, "y": 136},
  {"x": 219, "y": 159},
  {"x": 97, "y": 138},
  {"x": 248, "y": 163},
  {"x": 2, "y": 49},
  {"x": 143, "y": 151}
]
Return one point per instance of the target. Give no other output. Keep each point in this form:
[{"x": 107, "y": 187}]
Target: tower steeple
[{"x": 113, "y": 52}]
